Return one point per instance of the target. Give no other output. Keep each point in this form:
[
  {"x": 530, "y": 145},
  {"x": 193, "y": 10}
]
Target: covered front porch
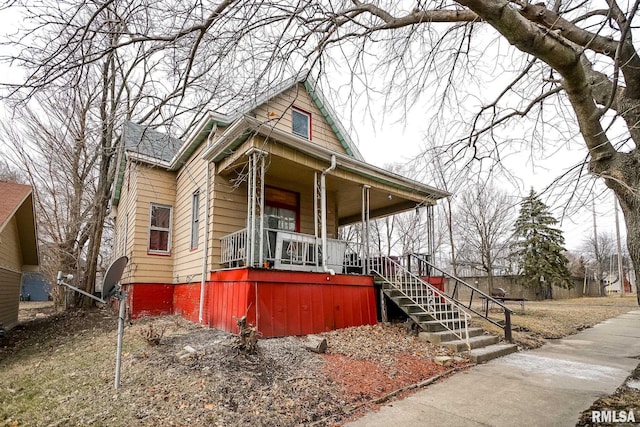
[{"x": 308, "y": 208}]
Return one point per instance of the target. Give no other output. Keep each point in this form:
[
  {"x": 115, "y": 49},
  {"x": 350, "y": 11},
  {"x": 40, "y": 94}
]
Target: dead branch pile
[
  {"x": 153, "y": 335},
  {"x": 247, "y": 338}
]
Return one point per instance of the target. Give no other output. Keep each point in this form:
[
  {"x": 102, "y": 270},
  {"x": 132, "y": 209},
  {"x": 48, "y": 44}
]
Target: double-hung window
[
  {"x": 160, "y": 229},
  {"x": 195, "y": 219},
  {"x": 283, "y": 209},
  {"x": 301, "y": 123}
]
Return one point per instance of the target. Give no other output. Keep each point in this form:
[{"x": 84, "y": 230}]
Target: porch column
[
  {"x": 255, "y": 207},
  {"x": 323, "y": 212},
  {"x": 317, "y": 214},
  {"x": 430, "y": 234},
  {"x": 365, "y": 228}
]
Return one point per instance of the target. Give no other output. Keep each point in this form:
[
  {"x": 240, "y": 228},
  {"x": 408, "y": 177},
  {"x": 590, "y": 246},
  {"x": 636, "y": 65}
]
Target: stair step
[
  {"x": 447, "y": 314},
  {"x": 474, "y": 342},
  {"x": 444, "y": 336},
  {"x": 484, "y": 354},
  {"x": 423, "y": 316},
  {"x": 437, "y": 325},
  {"x": 411, "y": 307},
  {"x": 402, "y": 301}
]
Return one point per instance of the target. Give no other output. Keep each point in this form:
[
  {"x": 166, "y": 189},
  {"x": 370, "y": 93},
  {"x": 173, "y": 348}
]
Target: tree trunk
[{"x": 622, "y": 175}]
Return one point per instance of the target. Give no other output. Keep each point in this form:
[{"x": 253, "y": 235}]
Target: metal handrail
[
  {"x": 474, "y": 291},
  {"x": 423, "y": 295}
]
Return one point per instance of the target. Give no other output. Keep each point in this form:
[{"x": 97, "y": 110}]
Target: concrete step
[
  {"x": 401, "y": 300},
  {"x": 421, "y": 318},
  {"x": 484, "y": 354},
  {"x": 410, "y": 307},
  {"x": 449, "y": 314},
  {"x": 474, "y": 342},
  {"x": 437, "y": 326},
  {"x": 444, "y": 336}
]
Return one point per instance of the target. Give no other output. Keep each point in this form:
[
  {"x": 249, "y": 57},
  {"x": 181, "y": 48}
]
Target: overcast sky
[
  {"x": 385, "y": 138},
  {"x": 387, "y": 141}
]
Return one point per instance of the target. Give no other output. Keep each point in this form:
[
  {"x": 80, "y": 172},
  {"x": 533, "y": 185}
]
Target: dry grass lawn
[
  {"x": 543, "y": 320},
  {"x": 56, "y": 369}
]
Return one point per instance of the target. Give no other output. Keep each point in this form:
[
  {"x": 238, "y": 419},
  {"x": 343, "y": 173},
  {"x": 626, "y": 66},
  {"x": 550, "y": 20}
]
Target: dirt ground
[{"x": 56, "y": 369}]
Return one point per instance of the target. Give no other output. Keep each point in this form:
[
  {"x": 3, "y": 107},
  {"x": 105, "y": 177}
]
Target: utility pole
[
  {"x": 620, "y": 271},
  {"x": 596, "y": 249}
]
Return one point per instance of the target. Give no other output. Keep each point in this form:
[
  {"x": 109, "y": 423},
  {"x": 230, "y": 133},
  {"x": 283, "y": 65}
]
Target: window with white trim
[
  {"x": 195, "y": 219},
  {"x": 301, "y": 123},
  {"x": 160, "y": 229}
]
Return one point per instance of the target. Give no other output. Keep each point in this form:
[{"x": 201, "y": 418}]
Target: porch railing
[
  {"x": 423, "y": 296},
  {"x": 291, "y": 251},
  {"x": 463, "y": 293},
  {"x": 233, "y": 248}
]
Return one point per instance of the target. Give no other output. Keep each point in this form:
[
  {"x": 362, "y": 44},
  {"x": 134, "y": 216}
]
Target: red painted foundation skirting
[
  {"x": 279, "y": 303},
  {"x": 149, "y": 299}
]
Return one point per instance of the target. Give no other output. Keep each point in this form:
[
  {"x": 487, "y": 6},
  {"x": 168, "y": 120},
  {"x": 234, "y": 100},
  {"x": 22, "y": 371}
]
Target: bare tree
[
  {"x": 484, "y": 221},
  {"x": 59, "y": 156},
  {"x": 573, "y": 69},
  {"x": 577, "y": 264},
  {"x": 9, "y": 173},
  {"x": 600, "y": 251},
  {"x": 64, "y": 129},
  {"x": 578, "y": 59},
  {"x": 445, "y": 175},
  {"x": 407, "y": 232}
]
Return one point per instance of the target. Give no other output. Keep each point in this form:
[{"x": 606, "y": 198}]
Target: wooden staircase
[{"x": 442, "y": 319}]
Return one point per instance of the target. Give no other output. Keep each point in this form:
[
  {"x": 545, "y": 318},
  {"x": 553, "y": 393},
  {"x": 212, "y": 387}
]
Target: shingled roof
[
  {"x": 17, "y": 201},
  {"x": 12, "y": 196},
  {"x": 150, "y": 144}
]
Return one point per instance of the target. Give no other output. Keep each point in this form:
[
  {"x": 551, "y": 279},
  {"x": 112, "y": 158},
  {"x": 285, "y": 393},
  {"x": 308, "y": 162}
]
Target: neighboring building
[
  {"x": 18, "y": 246},
  {"x": 35, "y": 287},
  {"x": 242, "y": 217}
]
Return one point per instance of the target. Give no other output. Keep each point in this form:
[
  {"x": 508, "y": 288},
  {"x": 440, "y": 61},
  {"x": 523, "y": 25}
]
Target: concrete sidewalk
[{"x": 548, "y": 386}]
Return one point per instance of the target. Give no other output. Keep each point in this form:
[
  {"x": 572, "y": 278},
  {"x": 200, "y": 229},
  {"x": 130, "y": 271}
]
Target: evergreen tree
[{"x": 540, "y": 247}]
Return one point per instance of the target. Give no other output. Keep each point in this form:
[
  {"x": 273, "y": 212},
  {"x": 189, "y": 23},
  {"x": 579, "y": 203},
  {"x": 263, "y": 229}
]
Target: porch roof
[{"x": 389, "y": 192}]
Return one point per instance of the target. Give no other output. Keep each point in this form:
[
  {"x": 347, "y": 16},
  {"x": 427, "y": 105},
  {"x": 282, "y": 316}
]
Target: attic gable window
[
  {"x": 160, "y": 229},
  {"x": 301, "y": 123}
]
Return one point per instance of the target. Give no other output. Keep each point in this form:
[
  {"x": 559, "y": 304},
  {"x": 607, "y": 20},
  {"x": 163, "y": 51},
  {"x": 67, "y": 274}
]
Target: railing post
[{"x": 507, "y": 326}]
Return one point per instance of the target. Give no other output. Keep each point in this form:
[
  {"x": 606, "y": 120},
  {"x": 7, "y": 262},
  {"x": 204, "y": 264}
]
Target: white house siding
[
  {"x": 152, "y": 185},
  {"x": 278, "y": 111},
  {"x": 126, "y": 213},
  {"x": 187, "y": 265}
]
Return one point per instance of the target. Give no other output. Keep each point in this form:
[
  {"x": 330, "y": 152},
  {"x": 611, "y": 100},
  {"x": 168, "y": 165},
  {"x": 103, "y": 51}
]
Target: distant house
[
  {"x": 18, "y": 246},
  {"x": 242, "y": 217},
  {"x": 35, "y": 287}
]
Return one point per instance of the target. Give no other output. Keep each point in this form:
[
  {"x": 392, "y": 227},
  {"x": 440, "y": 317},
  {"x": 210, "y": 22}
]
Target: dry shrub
[{"x": 153, "y": 335}]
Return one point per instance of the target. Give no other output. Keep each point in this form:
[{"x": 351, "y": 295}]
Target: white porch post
[
  {"x": 430, "y": 234},
  {"x": 255, "y": 207},
  {"x": 317, "y": 215},
  {"x": 323, "y": 211},
  {"x": 365, "y": 228}
]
